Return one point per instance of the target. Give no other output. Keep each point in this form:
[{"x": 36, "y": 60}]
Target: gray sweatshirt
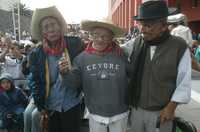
[{"x": 104, "y": 82}]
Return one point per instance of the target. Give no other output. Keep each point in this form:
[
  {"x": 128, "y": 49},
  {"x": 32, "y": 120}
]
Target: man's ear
[{"x": 164, "y": 27}]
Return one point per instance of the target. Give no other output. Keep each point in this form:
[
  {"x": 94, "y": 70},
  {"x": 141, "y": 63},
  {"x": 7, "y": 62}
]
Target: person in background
[
  {"x": 197, "y": 50},
  {"x": 198, "y": 36},
  {"x": 12, "y": 58},
  {"x": 178, "y": 27},
  {"x": 85, "y": 37},
  {"x": 12, "y": 105},
  {"x": 195, "y": 45}
]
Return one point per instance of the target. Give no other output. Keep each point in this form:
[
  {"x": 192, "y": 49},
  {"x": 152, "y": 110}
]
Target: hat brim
[
  {"x": 177, "y": 18},
  {"x": 171, "y": 11},
  {"x": 91, "y": 25},
  {"x": 6, "y": 76},
  {"x": 40, "y": 14}
]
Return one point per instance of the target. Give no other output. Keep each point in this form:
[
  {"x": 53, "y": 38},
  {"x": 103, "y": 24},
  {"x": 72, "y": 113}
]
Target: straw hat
[
  {"x": 89, "y": 25},
  {"x": 40, "y": 14}
]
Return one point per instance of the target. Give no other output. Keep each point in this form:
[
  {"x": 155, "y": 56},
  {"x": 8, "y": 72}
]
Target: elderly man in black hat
[{"x": 160, "y": 67}]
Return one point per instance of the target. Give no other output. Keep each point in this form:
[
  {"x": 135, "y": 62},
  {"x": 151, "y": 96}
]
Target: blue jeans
[
  {"x": 32, "y": 118},
  {"x": 1, "y": 124}
]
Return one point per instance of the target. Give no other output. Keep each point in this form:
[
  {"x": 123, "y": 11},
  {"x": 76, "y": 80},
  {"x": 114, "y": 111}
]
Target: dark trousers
[{"x": 68, "y": 121}]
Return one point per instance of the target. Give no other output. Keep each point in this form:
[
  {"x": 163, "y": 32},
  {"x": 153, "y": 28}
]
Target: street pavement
[{"x": 191, "y": 111}]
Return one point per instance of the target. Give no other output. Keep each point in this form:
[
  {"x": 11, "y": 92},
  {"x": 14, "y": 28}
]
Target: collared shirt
[
  {"x": 182, "y": 94},
  {"x": 107, "y": 120}
]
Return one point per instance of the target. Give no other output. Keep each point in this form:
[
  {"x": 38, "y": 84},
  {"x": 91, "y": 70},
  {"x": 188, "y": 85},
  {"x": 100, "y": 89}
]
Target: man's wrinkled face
[
  {"x": 152, "y": 29},
  {"x": 101, "y": 38},
  {"x": 51, "y": 29}
]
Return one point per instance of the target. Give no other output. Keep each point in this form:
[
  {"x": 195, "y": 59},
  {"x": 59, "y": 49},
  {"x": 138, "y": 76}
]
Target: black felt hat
[{"x": 153, "y": 10}]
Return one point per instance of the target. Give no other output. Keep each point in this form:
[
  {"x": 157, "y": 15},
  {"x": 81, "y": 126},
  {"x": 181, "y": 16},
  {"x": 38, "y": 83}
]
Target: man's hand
[
  {"x": 44, "y": 119},
  {"x": 63, "y": 63},
  {"x": 168, "y": 112}
]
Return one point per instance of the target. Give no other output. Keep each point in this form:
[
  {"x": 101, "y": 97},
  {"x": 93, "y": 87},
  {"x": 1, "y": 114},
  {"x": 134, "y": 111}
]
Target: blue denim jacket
[
  {"x": 37, "y": 77},
  {"x": 61, "y": 97}
]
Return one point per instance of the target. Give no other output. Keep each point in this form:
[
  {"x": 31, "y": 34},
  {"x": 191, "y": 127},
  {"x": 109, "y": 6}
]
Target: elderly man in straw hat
[
  {"x": 101, "y": 69},
  {"x": 57, "y": 102},
  {"x": 160, "y": 71}
]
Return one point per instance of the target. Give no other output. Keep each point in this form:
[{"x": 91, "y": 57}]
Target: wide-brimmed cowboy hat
[
  {"x": 153, "y": 10},
  {"x": 39, "y": 14},
  {"x": 89, "y": 25}
]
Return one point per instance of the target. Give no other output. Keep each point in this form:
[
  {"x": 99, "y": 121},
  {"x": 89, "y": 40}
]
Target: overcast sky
[{"x": 74, "y": 10}]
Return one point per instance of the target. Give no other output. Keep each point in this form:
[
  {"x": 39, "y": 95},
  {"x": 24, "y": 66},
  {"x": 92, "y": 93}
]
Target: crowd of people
[{"x": 44, "y": 86}]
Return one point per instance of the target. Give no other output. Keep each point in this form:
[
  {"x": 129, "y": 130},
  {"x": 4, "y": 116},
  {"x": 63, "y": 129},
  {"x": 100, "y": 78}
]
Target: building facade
[
  {"x": 121, "y": 12},
  {"x": 191, "y": 9}
]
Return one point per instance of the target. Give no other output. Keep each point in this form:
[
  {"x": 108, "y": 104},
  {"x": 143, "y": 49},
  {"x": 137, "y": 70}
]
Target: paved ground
[{"x": 191, "y": 111}]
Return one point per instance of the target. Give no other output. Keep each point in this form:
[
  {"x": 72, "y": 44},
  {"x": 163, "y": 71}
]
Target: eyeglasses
[{"x": 96, "y": 36}]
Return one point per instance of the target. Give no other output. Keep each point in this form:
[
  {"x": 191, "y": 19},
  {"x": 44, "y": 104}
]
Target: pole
[
  {"x": 14, "y": 26},
  {"x": 19, "y": 28}
]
